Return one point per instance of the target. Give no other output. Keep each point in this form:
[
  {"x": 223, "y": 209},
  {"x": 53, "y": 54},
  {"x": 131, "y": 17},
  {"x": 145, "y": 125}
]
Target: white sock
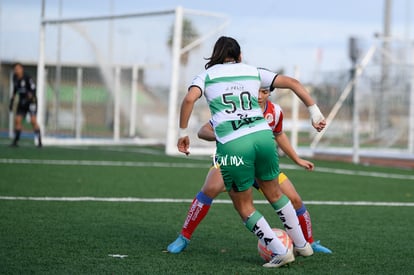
[
  {"x": 258, "y": 225},
  {"x": 287, "y": 215}
]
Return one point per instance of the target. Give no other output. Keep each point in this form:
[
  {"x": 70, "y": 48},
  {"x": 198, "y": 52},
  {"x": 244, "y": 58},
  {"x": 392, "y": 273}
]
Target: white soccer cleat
[
  {"x": 279, "y": 260},
  {"x": 305, "y": 251}
]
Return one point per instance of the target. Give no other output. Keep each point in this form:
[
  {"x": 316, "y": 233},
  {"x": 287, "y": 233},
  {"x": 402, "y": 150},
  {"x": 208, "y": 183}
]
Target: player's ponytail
[{"x": 225, "y": 47}]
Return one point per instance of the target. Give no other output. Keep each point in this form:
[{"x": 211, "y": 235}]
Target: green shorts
[{"x": 246, "y": 158}]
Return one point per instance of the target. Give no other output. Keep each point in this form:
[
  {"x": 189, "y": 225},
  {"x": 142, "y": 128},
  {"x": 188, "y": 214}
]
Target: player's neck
[
  {"x": 229, "y": 61},
  {"x": 263, "y": 105}
]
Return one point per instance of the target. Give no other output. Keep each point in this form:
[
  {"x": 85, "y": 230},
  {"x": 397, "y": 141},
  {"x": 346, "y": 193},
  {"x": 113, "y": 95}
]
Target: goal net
[
  {"x": 119, "y": 79},
  {"x": 370, "y": 109}
]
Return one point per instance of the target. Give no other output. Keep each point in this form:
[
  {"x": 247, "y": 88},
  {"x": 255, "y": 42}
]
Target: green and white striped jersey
[{"x": 231, "y": 90}]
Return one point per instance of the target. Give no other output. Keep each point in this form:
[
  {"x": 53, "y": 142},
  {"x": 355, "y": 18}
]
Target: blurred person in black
[{"x": 24, "y": 89}]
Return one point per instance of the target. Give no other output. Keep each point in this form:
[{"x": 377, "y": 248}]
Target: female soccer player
[
  {"x": 25, "y": 88},
  {"x": 245, "y": 144},
  {"x": 214, "y": 184}
]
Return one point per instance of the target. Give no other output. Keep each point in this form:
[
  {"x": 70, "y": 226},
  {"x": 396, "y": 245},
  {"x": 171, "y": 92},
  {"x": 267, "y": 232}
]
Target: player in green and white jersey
[{"x": 245, "y": 143}]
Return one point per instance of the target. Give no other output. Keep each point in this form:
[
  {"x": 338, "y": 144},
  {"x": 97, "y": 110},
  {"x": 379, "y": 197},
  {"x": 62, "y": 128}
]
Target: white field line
[
  {"x": 170, "y": 200},
  {"x": 351, "y": 172},
  {"x": 103, "y": 163},
  {"x": 195, "y": 165}
]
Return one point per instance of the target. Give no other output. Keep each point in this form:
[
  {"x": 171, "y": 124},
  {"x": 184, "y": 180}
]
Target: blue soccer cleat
[
  {"x": 317, "y": 247},
  {"x": 178, "y": 245}
]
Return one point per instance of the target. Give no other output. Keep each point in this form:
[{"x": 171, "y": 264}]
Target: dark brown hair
[
  {"x": 14, "y": 65},
  {"x": 225, "y": 47}
]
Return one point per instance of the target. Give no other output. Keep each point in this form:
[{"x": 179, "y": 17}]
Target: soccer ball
[{"x": 266, "y": 254}]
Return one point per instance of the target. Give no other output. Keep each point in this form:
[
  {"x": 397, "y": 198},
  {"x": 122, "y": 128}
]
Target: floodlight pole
[
  {"x": 41, "y": 72},
  {"x": 354, "y": 54},
  {"x": 355, "y": 117}
]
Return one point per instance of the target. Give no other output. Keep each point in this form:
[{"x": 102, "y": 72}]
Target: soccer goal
[{"x": 118, "y": 79}]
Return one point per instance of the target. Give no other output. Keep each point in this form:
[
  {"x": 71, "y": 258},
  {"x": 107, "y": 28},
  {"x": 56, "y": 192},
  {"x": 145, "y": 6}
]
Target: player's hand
[
  {"x": 183, "y": 145},
  {"x": 317, "y": 118},
  {"x": 306, "y": 164},
  {"x": 319, "y": 126}
]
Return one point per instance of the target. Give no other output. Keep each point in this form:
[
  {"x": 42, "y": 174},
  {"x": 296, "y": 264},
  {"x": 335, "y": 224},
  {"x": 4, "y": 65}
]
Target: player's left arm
[{"x": 284, "y": 144}]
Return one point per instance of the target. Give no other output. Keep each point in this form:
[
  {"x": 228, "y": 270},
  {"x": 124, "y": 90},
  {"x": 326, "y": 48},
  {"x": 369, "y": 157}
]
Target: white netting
[
  {"x": 383, "y": 93},
  {"x": 120, "y": 60},
  {"x": 383, "y": 100}
]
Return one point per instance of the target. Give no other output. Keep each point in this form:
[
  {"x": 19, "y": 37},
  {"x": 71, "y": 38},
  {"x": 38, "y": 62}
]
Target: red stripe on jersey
[{"x": 274, "y": 117}]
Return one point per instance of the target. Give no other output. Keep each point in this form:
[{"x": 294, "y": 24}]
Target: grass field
[{"x": 65, "y": 210}]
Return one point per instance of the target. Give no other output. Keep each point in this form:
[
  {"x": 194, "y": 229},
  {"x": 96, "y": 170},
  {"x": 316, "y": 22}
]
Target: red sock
[
  {"x": 305, "y": 223},
  {"x": 198, "y": 210}
]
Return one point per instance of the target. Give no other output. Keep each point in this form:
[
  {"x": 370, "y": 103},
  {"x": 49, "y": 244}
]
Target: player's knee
[
  {"x": 212, "y": 191},
  {"x": 18, "y": 123},
  {"x": 245, "y": 211},
  {"x": 33, "y": 120}
]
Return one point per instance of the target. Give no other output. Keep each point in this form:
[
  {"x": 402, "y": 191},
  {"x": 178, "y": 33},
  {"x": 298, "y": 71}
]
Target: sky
[{"x": 309, "y": 35}]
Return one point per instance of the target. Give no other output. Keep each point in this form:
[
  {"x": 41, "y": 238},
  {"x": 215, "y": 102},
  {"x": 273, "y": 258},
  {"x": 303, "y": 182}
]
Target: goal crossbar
[{"x": 105, "y": 17}]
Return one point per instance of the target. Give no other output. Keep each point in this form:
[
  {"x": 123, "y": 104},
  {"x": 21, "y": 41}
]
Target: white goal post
[{"x": 178, "y": 51}]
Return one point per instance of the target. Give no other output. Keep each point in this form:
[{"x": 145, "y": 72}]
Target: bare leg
[
  {"x": 243, "y": 202},
  {"x": 36, "y": 130},
  {"x": 17, "y": 129},
  {"x": 289, "y": 190},
  {"x": 213, "y": 186}
]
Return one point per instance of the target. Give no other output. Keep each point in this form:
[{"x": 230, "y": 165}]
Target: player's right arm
[
  {"x": 285, "y": 82},
  {"x": 271, "y": 80},
  {"x": 187, "y": 105},
  {"x": 206, "y": 132}
]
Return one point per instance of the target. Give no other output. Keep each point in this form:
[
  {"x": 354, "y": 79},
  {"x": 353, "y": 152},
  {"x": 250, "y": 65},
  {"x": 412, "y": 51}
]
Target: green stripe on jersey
[{"x": 209, "y": 81}]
